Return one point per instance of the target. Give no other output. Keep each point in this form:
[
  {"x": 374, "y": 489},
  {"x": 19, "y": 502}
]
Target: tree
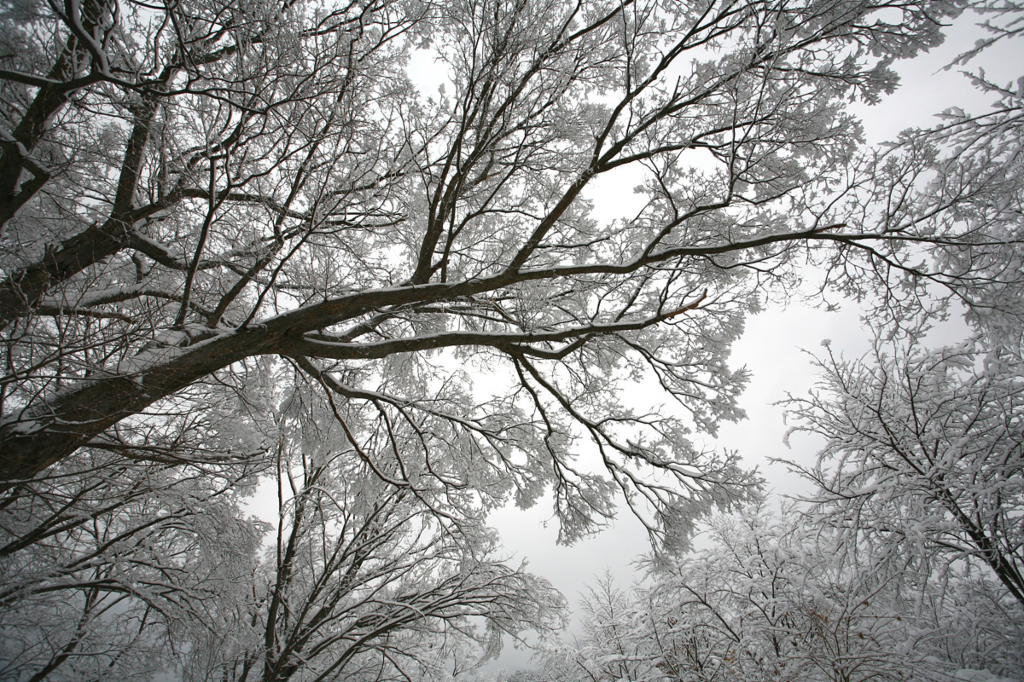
[
  {"x": 108, "y": 561},
  {"x": 217, "y": 213},
  {"x": 365, "y": 580},
  {"x": 614, "y": 643},
  {"x": 118, "y": 555},
  {"x": 282, "y": 190},
  {"x": 113, "y": 564},
  {"x": 966, "y": 170},
  {"x": 921, "y": 469},
  {"x": 924, "y": 457},
  {"x": 770, "y": 598}
]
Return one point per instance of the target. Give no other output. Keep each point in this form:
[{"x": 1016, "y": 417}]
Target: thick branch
[
  {"x": 23, "y": 289},
  {"x": 53, "y": 94}
]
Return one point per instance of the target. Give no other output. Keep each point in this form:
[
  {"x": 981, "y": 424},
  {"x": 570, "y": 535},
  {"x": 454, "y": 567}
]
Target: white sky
[{"x": 771, "y": 346}]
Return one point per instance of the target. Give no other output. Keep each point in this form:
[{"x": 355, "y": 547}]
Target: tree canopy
[
  {"x": 239, "y": 243},
  {"x": 228, "y": 183}
]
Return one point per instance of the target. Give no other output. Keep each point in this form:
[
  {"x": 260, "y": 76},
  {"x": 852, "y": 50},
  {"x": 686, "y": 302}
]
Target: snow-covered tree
[
  {"x": 924, "y": 457},
  {"x": 218, "y": 215},
  {"x": 922, "y": 473},
  {"x": 614, "y": 643},
  {"x": 225, "y": 182},
  {"x": 115, "y": 565},
  {"x": 771, "y": 598},
  {"x": 107, "y": 562},
  {"x": 366, "y": 579}
]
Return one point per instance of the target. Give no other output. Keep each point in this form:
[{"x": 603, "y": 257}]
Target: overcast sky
[{"x": 772, "y": 346}]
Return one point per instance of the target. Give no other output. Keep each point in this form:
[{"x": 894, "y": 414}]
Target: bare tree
[
  {"x": 366, "y": 579},
  {"x": 131, "y": 563},
  {"x": 365, "y": 582},
  {"x": 104, "y": 117},
  {"x": 119, "y": 555}
]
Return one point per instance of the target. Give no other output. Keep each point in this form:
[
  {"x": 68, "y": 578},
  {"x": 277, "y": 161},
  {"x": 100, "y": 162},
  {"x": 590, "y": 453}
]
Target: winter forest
[{"x": 285, "y": 323}]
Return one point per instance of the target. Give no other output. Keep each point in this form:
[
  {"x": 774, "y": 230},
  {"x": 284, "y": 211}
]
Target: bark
[
  {"x": 40, "y": 437},
  {"x": 23, "y": 289}
]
